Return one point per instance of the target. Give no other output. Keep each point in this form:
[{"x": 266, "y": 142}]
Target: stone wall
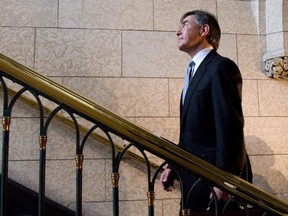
[{"x": 123, "y": 55}]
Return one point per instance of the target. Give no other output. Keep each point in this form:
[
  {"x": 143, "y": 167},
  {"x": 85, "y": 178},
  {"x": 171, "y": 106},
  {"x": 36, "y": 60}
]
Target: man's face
[{"x": 189, "y": 35}]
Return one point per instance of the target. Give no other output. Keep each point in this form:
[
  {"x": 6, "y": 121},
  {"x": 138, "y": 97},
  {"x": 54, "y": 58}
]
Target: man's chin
[{"x": 181, "y": 47}]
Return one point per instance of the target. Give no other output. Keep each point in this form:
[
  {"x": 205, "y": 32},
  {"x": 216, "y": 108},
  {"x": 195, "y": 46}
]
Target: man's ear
[{"x": 204, "y": 30}]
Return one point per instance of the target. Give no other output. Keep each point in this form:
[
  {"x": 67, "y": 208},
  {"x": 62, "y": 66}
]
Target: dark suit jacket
[{"x": 211, "y": 120}]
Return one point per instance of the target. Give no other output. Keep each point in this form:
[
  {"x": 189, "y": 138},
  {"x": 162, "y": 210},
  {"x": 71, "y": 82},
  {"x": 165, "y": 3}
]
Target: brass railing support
[
  {"x": 115, "y": 180},
  {"x": 151, "y": 197},
  {"x": 186, "y": 212},
  {"x": 79, "y": 161},
  {"x": 6, "y": 120},
  {"x": 42, "y": 142}
]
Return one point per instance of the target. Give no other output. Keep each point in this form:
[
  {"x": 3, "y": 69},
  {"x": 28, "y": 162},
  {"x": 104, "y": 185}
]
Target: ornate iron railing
[{"x": 74, "y": 104}]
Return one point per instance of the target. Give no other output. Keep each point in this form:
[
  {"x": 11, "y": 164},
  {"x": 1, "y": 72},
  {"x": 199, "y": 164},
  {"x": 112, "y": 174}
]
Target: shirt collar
[{"x": 198, "y": 58}]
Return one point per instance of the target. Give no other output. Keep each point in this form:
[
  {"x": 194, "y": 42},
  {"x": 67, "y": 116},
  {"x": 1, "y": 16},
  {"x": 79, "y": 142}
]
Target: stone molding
[{"x": 277, "y": 68}]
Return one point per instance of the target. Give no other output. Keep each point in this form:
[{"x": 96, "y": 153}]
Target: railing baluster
[
  {"x": 5, "y": 155},
  {"x": 42, "y": 175},
  {"x": 79, "y": 158},
  {"x": 115, "y": 190}
]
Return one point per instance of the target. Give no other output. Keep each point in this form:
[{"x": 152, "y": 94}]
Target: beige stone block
[
  {"x": 129, "y": 189},
  {"x": 274, "y": 16},
  {"x": 138, "y": 208},
  {"x": 61, "y": 141},
  {"x": 162, "y": 127},
  {"x": 283, "y": 196},
  {"x": 96, "y": 208},
  {"x": 128, "y": 97},
  {"x": 270, "y": 173},
  {"x": 23, "y": 144},
  {"x": 167, "y": 13},
  {"x": 285, "y": 17},
  {"x": 18, "y": 44},
  {"x": 250, "y": 98},
  {"x": 20, "y": 109},
  {"x": 61, "y": 179},
  {"x": 273, "y": 100},
  {"x": 250, "y": 53},
  {"x": 171, "y": 207},
  {"x": 243, "y": 20},
  {"x": 109, "y": 14},
  {"x": 152, "y": 54},
  {"x": 228, "y": 46},
  {"x": 61, "y": 144},
  {"x": 32, "y": 13},
  {"x": 175, "y": 89},
  {"x": 77, "y": 52},
  {"x": 126, "y": 208},
  {"x": 276, "y": 44},
  {"x": 266, "y": 135}
]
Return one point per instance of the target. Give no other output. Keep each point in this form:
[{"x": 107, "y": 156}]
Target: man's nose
[{"x": 178, "y": 32}]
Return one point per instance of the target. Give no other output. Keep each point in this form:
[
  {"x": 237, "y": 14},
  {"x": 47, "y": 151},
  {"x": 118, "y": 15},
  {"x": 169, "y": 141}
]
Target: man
[{"x": 211, "y": 118}]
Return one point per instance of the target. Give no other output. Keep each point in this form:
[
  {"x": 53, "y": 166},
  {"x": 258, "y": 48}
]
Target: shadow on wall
[{"x": 265, "y": 176}]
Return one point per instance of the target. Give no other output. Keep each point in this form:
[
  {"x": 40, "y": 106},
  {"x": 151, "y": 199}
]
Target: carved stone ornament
[{"x": 277, "y": 68}]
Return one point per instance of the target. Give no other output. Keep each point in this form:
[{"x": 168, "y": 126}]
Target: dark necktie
[{"x": 187, "y": 79}]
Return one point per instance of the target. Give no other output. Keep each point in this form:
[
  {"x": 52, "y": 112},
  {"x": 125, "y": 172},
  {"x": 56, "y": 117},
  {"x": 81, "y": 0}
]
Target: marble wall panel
[
  {"x": 76, "y": 52},
  {"x": 24, "y": 145},
  {"x": 171, "y": 207},
  {"x": 18, "y": 44},
  {"x": 162, "y": 127},
  {"x": 138, "y": 208},
  {"x": 273, "y": 99},
  {"x": 129, "y": 189},
  {"x": 21, "y": 109},
  {"x": 286, "y": 42},
  {"x": 61, "y": 142},
  {"x": 266, "y": 135},
  {"x": 25, "y": 173},
  {"x": 96, "y": 208},
  {"x": 276, "y": 44},
  {"x": 32, "y": 13},
  {"x": 175, "y": 89},
  {"x": 250, "y": 52},
  {"x": 228, "y": 47},
  {"x": 152, "y": 54},
  {"x": 109, "y": 14},
  {"x": 231, "y": 21},
  {"x": 274, "y": 16},
  {"x": 250, "y": 98},
  {"x": 60, "y": 176},
  {"x": 126, "y": 208},
  {"x": 167, "y": 13},
  {"x": 270, "y": 173},
  {"x": 285, "y": 16},
  {"x": 128, "y": 97}
]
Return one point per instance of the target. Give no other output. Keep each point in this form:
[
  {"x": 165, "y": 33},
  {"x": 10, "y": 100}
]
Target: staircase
[{"x": 22, "y": 201}]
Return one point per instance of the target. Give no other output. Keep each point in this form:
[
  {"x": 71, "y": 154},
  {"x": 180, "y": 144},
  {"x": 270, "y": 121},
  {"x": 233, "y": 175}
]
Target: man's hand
[
  {"x": 167, "y": 179},
  {"x": 221, "y": 195}
]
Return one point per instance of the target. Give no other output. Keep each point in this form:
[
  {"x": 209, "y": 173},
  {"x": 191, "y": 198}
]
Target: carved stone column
[
  {"x": 276, "y": 57},
  {"x": 277, "y": 68}
]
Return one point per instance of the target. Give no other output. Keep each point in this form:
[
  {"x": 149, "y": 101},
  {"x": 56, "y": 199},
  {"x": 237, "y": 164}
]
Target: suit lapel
[{"x": 194, "y": 83}]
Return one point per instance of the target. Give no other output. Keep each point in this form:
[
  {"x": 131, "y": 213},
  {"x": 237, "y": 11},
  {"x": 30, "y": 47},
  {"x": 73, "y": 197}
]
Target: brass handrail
[
  {"x": 133, "y": 133},
  {"x": 82, "y": 129}
]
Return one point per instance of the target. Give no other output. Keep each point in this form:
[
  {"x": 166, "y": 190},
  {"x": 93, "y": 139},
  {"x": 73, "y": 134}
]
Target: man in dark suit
[{"x": 211, "y": 117}]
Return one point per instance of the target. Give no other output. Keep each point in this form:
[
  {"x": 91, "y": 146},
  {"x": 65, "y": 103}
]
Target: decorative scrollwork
[{"x": 277, "y": 68}]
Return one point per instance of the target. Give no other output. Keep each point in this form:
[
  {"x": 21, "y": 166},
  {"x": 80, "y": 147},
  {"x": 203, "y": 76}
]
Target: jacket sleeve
[{"x": 229, "y": 121}]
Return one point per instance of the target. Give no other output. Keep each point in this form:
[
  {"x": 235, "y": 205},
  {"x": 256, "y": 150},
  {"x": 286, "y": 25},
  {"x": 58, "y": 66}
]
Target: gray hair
[{"x": 206, "y": 18}]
